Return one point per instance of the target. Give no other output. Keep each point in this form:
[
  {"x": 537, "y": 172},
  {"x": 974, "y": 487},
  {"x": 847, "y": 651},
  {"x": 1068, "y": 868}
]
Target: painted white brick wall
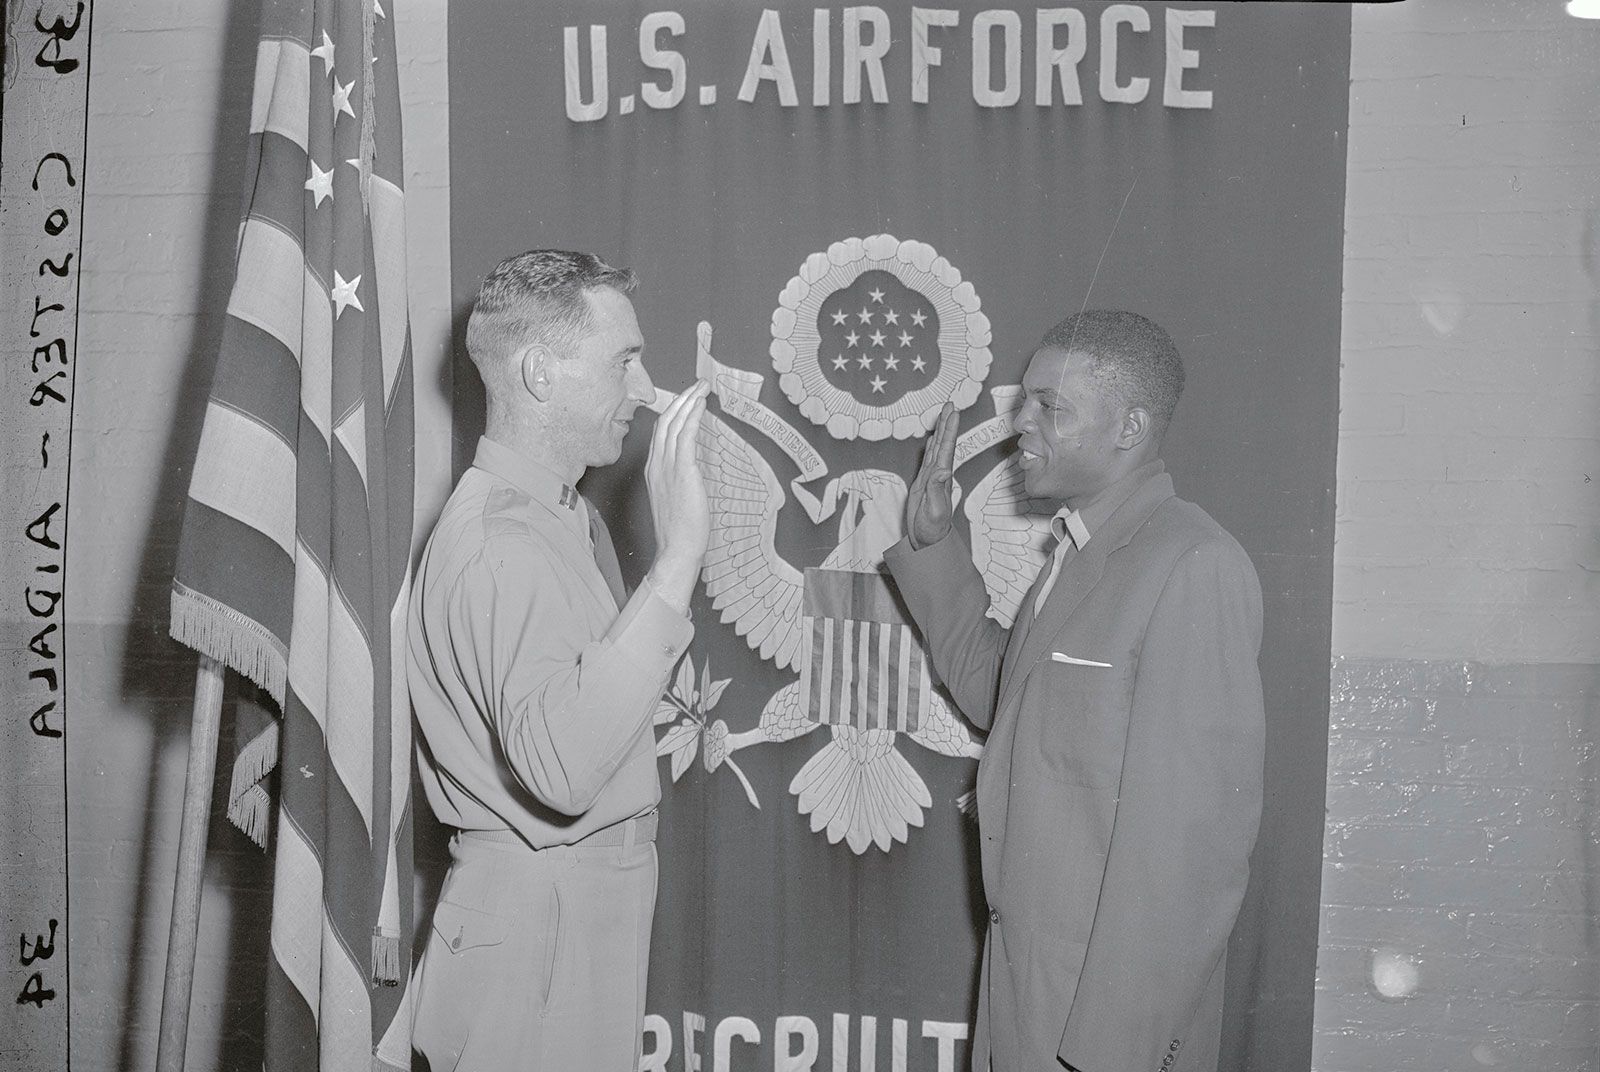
[
  {"x": 1469, "y": 449},
  {"x": 1464, "y": 752}
]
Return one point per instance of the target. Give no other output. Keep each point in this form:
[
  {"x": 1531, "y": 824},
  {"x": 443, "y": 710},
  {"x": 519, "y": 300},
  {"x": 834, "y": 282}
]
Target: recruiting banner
[{"x": 842, "y": 217}]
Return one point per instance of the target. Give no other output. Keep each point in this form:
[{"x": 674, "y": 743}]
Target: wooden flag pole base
[{"x": 178, "y": 987}]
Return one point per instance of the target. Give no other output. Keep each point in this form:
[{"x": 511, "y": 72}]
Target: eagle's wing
[
  {"x": 756, "y": 591},
  {"x": 946, "y": 732},
  {"x": 1010, "y": 537}
]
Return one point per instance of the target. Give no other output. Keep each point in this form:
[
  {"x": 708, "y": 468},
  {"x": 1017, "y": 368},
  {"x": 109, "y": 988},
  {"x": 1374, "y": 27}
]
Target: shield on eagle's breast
[{"x": 862, "y": 665}]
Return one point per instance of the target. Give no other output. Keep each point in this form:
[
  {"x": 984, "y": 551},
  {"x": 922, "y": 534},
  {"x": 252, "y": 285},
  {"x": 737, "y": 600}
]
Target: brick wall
[
  {"x": 1464, "y": 751},
  {"x": 169, "y": 106}
]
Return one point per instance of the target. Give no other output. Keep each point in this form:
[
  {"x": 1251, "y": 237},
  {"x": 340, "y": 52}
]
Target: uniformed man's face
[
  {"x": 1067, "y": 430},
  {"x": 600, "y": 381}
]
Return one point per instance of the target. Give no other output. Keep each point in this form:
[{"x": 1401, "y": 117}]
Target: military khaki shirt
[{"x": 533, "y": 691}]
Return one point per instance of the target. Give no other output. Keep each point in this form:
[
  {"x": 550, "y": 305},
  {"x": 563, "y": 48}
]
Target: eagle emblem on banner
[{"x": 863, "y": 673}]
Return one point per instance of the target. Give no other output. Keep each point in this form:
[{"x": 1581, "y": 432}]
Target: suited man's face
[{"x": 1069, "y": 433}]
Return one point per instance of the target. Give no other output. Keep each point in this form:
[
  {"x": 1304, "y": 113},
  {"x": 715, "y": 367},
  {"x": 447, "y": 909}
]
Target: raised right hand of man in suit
[{"x": 928, "y": 505}]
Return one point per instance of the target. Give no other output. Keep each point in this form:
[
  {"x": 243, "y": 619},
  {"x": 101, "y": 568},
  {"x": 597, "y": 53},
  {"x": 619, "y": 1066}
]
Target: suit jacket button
[{"x": 994, "y": 916}]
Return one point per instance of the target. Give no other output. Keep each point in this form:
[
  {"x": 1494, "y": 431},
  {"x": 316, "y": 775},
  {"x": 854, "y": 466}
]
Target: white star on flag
[
  {"x": 852, "y": 338},
  {"x": 917, "y": 363},
  {"x": 876, "y": 295},
  {"x": 344, "y": 294},
  {"x": 891, "y": 317},
  {"x": 891, "y": 362},
  {"x": 838, "y": 316},
  {"x": 839, "y": 362},
  {"x": 905, "y": 339},
  {"x": 866, "y": 317},
  {"x": 877, "y": 338},
  {"x": 324, "y": 52},
  {"x": 341, "y": 99},
  {"x": 320, "y": 184},
  {"x": 917, "y": 318},
  {"x": 865, "y": 361},
  {"x": 877, "y": 384}
]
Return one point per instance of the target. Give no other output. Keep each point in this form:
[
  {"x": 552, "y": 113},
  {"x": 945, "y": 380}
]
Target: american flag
[
  {"x": 878, "y": 339},
  {"x": 861, "y": 665},
  {"x": 292, "y": 567}
]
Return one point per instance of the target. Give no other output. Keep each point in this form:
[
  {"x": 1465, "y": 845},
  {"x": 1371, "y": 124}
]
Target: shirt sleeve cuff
[{"x": 652, "y": 628}]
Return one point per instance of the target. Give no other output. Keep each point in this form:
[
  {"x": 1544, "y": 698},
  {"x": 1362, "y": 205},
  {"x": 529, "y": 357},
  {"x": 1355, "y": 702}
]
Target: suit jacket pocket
[
  {"x": 1083, "y": 719},
  {"x": 462, "y": 928}
]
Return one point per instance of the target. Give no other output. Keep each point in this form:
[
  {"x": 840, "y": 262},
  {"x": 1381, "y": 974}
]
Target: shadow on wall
[{"x": 156, "y": 675}]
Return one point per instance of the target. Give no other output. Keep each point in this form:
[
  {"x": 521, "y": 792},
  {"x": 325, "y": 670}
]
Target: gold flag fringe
[
  {"x": 249, "y": 804},
  {"x": 385, "y": 958},
  {"x": 247, "y": 648},
  {"x": 242, "y": 645}
]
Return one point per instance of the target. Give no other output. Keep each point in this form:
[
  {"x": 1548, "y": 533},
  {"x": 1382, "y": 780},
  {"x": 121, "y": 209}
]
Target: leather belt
[{"x": 639, "y": 830}]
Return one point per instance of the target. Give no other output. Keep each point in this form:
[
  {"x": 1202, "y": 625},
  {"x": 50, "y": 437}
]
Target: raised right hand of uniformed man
[
  {"x": 928, "y": 505},
  {"x": 678, "y": 502}
]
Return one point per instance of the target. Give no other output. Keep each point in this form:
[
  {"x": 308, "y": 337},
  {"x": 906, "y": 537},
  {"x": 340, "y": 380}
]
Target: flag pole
[{"x": 178, "y": 986}]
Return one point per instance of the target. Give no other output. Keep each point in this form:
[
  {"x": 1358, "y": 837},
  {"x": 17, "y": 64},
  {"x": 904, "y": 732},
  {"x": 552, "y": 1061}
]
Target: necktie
[
  {"x": 1070, "y": 531},
  {"x": 605, "y": 554}
]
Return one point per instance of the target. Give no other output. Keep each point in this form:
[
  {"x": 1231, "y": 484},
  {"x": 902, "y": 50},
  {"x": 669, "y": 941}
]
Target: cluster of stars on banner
[{"x": 879, "y": 339}]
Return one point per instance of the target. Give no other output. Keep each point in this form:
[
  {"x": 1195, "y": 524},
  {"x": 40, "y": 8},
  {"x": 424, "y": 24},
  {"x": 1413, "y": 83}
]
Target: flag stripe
[
  {"x": 844, "y": 666},
  {"x": 350, "y": 436},
  {"x": 389, "y": 253},
  {"x": 399, "y": 452},
  {"x": 261, "y": 379},
  {"x": 296, "y": 895},
  {"x": 349, "y": 737},
  {"x": 904, "y": 662},
  {"x": 280, "y": 196},
  {"x": 291, "y": 1022},
  {"x": 250, "y": 494},
  {"x": 888, "y": 718},
  {"x": 351, "y": 563},
  {"x": 282, "y": 90},
  {"x": 866, "y": 695},
  {"x": 920, "y": 687},
  {"x": 346, "y": 1040},
  {"x": 308, "y": 661},
  {"x": 262, "y": 596},
  {"x": 274, "y": 292},
  {"x": 314, "y": 506},
  {"x": 318, "y": 806}
]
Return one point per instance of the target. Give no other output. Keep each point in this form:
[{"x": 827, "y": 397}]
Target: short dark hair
[
  {"x": 538, "y": 296},
  {"x": 1135, "y": 360}
]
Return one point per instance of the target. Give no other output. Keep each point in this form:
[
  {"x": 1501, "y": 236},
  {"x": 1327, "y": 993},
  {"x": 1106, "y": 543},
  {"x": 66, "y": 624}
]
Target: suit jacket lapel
[{"x": 1079, "y": 574}]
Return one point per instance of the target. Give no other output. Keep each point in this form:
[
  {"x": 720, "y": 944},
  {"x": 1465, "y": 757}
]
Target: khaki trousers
[{"x": 536, "y": 959}]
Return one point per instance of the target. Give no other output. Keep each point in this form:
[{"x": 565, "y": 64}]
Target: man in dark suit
[{"x": 1120, "y": 789}]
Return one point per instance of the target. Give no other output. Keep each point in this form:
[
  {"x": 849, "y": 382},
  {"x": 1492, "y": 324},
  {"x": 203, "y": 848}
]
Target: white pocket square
[{"x": 1062, "y": 657}]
